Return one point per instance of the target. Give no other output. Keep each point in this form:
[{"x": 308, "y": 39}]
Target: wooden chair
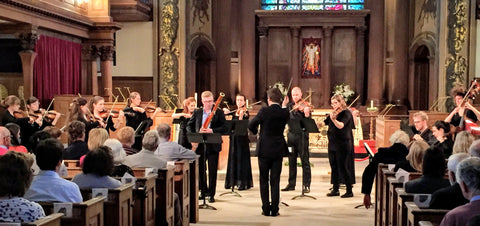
[
  {"x": 402, "y": 198},
  {"x": 392, "y": 196},
  {"x": 89, "y": 212},
  {"x": 50, "y": 220},
  {"x": 182, "y": 188},
  {"x": 73, "y": 167},
  {"x": 118, "y": 206},
  {"x": 194, "y": 191},
  {"x": 378, "y": 193},
  {"x": 416, "y": 214}
]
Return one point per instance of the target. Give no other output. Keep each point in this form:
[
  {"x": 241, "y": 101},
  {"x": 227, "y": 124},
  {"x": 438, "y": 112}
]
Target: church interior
[{"x": 388, "y": 58}]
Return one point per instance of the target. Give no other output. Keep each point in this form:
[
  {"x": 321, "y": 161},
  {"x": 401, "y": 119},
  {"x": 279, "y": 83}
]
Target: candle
[
  {"x": 246, "y": 104},
  {"x": 196, "y": 102},
  {"x": 371, "y": 103}
]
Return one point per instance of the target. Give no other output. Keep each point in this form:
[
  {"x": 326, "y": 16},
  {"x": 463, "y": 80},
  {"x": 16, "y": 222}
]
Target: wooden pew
[
  {"x": 194, "y": 191},
  {"x": 144, "y": 207},
  {"x": 73, "y": 167},
  {"x": 416, "y": 214},
  {"x": 402, "y": 198},
  {"x": 164, "y": 187},
  {"x": 182, "y": 188},
  {"x": 50, "y": 220},
  {"x": 392, "y": 196},
  {"x": 118, "y": 206},
  {"x": 384, "y": 199},
  {"x": 89, "y": 212},
  {"x": 378, "y": 193}
]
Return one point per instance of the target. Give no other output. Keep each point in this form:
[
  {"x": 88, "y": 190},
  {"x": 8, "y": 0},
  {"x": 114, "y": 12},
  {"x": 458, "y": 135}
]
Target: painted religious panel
[{"x": 311, "y": 57}]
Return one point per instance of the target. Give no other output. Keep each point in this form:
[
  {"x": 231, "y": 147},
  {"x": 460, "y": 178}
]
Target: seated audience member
[
  {"x": 444, "y": 141},
  {"x": 463, "y": 140},
  {"x": 450, "y": 197},
  {"x": 47, "y": 186},
  {"x": 474, "y": 149},
  {"x": 474, "y": 221},
  {"x": 97, "y": 138},
  {"x": 119, "y": 169},
  {"x": 414, "y": 159},
  {"x": 433, "y": 174},
  {"x": 15, "y": 178},
  {"x": 77, "y": 146},
  {"x": 37, "y": 137},
  {"x": 96, "y": 168},
  {"x": 468, "y": 177},
  {"x": 169, "y": 150},
  {"x": 53, "y": 131},
  {"x": 391, "y": 155},
  {"x": 126, "y": 136},
  {"x": 4, "y": 140},
  {"x": 15, "y": 138},
  {"x": 146, "y": 157}
]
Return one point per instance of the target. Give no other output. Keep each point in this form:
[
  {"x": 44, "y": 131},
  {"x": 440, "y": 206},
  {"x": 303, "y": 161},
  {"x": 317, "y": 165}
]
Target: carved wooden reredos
[{"x": 342, "y": 50}]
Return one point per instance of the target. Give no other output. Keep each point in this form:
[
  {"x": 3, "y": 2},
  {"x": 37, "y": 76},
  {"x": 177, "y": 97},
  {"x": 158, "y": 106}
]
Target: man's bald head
[
  {"x": 296, "y": 94},
  {"x": 4, "y": 136}
]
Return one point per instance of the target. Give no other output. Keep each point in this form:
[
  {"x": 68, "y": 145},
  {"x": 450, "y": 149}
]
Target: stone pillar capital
[
  {"x": 361, "y": 30},
  {"x": 106, "y": 53},
  {"x": 327, "y": 31},
  {"x": 262, "y": 30},
  {"x": 28, "y": 40},
  {"x": 295, "y": 31}
]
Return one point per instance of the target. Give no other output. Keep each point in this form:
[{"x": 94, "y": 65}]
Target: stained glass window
[{"x": 312, "y": 4}]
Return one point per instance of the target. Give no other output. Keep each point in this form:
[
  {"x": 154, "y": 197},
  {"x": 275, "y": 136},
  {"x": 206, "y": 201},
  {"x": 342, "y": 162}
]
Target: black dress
[
  {"x": 134, "y": 122},
  {"x": 182, "y": 134},
  {"x": 89, "y": 125},
  {"x": 457, "y": 118},
  {"x": 239, "y": 169},
  {"x": 340, "y": 149},
  {"x": 26, "y": 129}
]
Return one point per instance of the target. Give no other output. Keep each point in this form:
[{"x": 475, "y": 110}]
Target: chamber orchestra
[{"x": 140, "y": 134}]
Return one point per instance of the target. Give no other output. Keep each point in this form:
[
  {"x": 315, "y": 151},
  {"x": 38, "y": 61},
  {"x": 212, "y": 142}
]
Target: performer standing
[
  {"x": 239, "y": 170},
  {"x": 271, "y": 147},
  {"x": 97, "y": 107},
  {"x": 298, "y": 140},
  {"x": 217, "y": 125},
  {"x": 81, "y": 113},
  {"x": 189, "y": 106},
  {"x": 13, "y": 114},
  {"x": 340, "y": 146},
  {"x": 138, "y": 116},
  {"x": 33, "y": 107}
]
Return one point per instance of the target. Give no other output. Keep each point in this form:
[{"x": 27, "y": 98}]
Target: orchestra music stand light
[{"x": 205, "y": 138}]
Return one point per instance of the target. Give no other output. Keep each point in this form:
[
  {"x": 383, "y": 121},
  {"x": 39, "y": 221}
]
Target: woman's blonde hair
[
  {"x": 96, "y": 138},
  {"x": 400, "y": 137},
  {"x": 415, "y": 154},
  {"x": 462, "y": 143},
  {"x": 339, "y": 98}
]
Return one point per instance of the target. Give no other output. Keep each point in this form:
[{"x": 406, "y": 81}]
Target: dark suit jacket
[
  {"x": 272, "y": 119},
  {"x": 426, "y": 185},
  {"x": 448, "y": 198},
  {"x": 217, "y": 125}
]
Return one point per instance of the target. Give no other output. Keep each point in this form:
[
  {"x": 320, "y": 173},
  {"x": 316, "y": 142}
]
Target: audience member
[
  {"x": 450, "y": 197},
  {"x": 126, "y": 136},
  {"x": 15, "y": 143},
  {"x": 433, "y": 174},
  {"x": 4, "y": 140},
  {"x": 463, "y": 140},
  {"x": 98, "y": 136},
  {"x": 169, "y": 150},
  {"x": 77, "y": 146},
  {"x": 96, "y": 168},
  {"x": 391, "y": 155},
  {"x": 15, "y": 178},
  {"x": 414, "y": 159},
  {"x": 47, "y": 186},
  {"x": 119, "y": 169},
  {"x": 53, "y": 131},
  {"x": 468, "y": 177},
  {"x": 37, "y": 137},
  {"x": 474, "y": 221},
  {"x": 441, "y": 131},
  {"x": 146, "y": 157},
  {"x": 474, "y": 149}
]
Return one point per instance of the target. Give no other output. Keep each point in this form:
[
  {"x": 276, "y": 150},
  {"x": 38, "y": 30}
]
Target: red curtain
[{"x": 57, "y": 68}]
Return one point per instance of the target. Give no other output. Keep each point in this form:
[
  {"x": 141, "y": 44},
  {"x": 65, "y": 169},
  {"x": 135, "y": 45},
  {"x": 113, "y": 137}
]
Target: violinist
[
  {"x": 216, "y": 125},
  {"x": 189, "y": 106},
  {"x": 340, "y": 146},
  {"x": 239, "y": 169},
  {"x": 462, "y": 111},
  {"x": 49, "y": 118},
  {"x": 80, "y": 112},
  {"x": 139, "y": 115},
  {"x": 298, "y": 140},
  {"x": 104, "y": 117}
]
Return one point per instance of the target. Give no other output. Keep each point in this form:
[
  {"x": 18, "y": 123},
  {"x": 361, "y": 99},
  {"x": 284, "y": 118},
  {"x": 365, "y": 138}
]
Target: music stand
[
  {"x": 236, "y": 128},
  {"x": 306, "y": 125},
  {"x": 205, "y": 138}
]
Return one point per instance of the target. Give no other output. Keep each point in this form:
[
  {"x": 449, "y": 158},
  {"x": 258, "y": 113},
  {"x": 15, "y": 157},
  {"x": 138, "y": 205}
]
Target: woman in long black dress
[
  {"x": 80, "y": 112},
  {"x": 340, "y": 146},
  {"x": 189, "y": 106},
  {"x": 239, "y": 169}
]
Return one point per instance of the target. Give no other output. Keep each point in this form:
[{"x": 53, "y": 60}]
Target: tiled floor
[{"x": 246, "y": 210}]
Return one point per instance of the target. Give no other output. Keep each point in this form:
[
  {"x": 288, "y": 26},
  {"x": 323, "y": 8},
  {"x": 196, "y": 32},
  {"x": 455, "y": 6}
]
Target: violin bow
[
  {"x": 111, "y": 109},
  {"x": 48, "y": 108},
  {"x": 350, "y": 105}
]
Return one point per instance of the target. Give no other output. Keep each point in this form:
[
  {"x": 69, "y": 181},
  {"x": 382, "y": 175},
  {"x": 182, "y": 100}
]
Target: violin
[
  {"x": 20, "y": 114},
  {"x": 301, "y": 105},
  {"x": 335, "y": 112},
  {"x": 114, "y": 113},
  {"x": 241, "y": 110}
]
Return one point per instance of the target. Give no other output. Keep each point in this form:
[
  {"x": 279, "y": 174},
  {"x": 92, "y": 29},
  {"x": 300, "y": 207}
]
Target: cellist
[
  {"x": 463, "y": 110},
  {"x": 208, "y": 119}
]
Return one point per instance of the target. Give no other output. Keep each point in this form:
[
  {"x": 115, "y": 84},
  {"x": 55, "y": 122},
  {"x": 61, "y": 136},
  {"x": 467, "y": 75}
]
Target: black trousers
[
  {"x": 270, "y": 170},
  {"x": 299, "y": 149},
  {"x": 212, "y": 159},
  {"x": 341, "y": 163}
]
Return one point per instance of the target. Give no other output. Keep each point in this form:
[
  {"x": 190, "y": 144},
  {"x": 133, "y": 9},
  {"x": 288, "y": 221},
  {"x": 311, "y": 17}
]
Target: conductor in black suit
[
  {"x": 271, "y": 147},
  {"x": 217, "y": 125}
]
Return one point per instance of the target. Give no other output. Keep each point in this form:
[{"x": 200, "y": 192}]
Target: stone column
[
  {"x": 327, "y": 56},
  {"x": 89, "y": 69},
  {"x": 262, "y": 60},
  {"x": 106, "y": 58},
  {"x": 376, "y": 50},
  {"x": 400, "y": 53},
  {"x": 360, "y": 67},
  {"x": 27, "y": 56},
  {"x": 294, "y": 72}
]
